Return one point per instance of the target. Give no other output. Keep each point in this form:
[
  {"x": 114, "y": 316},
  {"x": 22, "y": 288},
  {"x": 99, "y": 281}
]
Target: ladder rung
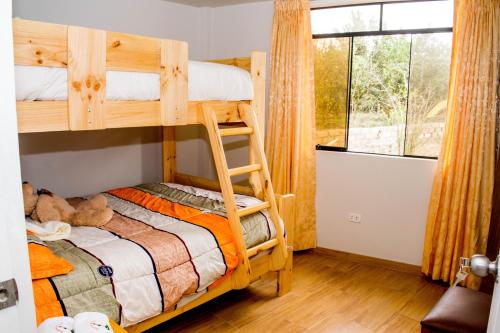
[
  {"x": 244, "y": 169},
  {"x": 262, "y": 247},
  {"x": 253, "y": 209},
  {"x": 235, "y": 131}
]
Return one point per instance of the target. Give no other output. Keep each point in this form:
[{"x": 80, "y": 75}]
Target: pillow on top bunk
[{"x": 43, "y": 262}]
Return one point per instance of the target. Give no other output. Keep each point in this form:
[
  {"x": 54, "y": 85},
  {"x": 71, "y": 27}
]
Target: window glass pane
[
  {"x": 379, "y": 94},
  {"x": 430, "y": 70},
  {"x": 331, "y": 73},
  {"x": 345, "y": 19},
  {"x": 418, "y": 15}
]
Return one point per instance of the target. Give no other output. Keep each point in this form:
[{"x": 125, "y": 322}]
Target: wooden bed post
[
  {"x": 173, "y": 99},
  {"x": 174, "y": 82},
  {"x": 86, "y": 78},
  {"x": 258, "y": 105},
  {"x": 169, "y": 152},
  {"x": 285, "y": 207}
]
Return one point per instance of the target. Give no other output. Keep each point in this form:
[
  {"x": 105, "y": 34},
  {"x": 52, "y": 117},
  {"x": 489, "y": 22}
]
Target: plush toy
[
  {"x": 30, "y": 198},
  {"x": 92, "y": 212},
  {"x": 51, "y": 207},
  {"x": 46, "y": 206}
]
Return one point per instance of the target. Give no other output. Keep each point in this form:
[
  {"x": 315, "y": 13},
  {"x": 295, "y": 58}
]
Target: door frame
[{"x": 13, "y": 246}]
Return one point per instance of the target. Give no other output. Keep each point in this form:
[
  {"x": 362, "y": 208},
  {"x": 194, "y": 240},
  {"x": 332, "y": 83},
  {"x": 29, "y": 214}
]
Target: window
[{"x": 381, "y": 75}]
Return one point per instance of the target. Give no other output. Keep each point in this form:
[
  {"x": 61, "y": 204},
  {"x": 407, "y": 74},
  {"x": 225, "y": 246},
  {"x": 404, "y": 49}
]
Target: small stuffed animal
[
  {"x": 46, "y": 206},
  {"x": 92, "y": 212},
  {"x": 30, "y": 198},
  {"x": 51, "y": 207}
]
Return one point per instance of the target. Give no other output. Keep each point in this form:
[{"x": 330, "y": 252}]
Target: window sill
[{"x": 344, "y": 150}]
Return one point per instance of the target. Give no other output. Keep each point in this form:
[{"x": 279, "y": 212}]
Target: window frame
[{"x": 374, "y": 33}]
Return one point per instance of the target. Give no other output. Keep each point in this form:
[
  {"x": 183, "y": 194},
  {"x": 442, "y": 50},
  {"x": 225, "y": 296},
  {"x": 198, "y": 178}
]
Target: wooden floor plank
[
  {"x": 329, "y": 294},
  {"x": 400, "y": 323}
]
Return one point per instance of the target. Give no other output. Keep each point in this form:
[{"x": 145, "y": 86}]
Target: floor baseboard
[{"x": 366, "y": 260}]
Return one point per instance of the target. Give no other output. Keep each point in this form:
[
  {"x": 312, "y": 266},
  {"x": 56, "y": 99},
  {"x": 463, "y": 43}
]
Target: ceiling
[{"x": 213, "y": 3}]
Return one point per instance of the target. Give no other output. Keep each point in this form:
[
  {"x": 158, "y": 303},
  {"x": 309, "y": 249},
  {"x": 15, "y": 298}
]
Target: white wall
[
  {"x": 390, "y": 193},
  {"x": 83, "y": 163},
  {"x": 76, "y": 163},
  {"x": 236, "y": 31}
]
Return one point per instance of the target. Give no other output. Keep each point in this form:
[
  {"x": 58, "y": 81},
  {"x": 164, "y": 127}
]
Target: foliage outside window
[{"x": 381, "y": 76}]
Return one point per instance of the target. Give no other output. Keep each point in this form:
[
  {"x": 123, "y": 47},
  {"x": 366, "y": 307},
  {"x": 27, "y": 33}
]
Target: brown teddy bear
[
  {"x": 92, "y": 212},
  {"x": 46, "y": 206},
  {"x": 30, "y": 198}
]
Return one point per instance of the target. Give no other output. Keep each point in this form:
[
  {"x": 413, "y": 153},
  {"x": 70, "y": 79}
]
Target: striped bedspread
[{"x": 165, "y": 245}]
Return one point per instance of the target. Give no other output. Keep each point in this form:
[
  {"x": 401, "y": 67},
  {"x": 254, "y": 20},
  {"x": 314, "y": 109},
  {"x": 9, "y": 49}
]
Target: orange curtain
[
  {"x": 461, "y": 199},
  {"x": 291, "y": 124}
]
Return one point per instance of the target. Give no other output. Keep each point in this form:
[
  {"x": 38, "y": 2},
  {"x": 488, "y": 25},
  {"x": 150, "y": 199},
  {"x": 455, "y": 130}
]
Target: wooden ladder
[{"x": 261, "y": 183}]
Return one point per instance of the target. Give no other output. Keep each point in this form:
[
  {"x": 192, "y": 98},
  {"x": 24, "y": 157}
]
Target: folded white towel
[
  {"x": 92, "y": 322},
  {"x": 56, "y": 325},
  {"x": 49, "y": 231}
]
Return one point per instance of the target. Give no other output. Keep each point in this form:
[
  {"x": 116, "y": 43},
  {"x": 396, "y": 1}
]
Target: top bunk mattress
[{"x": 207, "y": 82}]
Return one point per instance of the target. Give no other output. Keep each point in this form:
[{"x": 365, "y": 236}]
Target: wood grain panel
[
  {"x": 329, "y": 295},
  {"x": 258, "y": 73},
  {"x": 241, "y": 274},
  {"x": 169, "y": 153},
  {"x": 132, "y": 113},
  {"x": 280, "y": 252},
  {"x": 174, "y": 82},
  {"x": 226, "y": 112},
  {"x": 243, "y": 62},
  {"x": 40, "y": 44},
  {"x": 132, "y": 53},
  {"x": 42, "y": 116},
  {"x": 365, "y": 260},
  {"x": 86, "y": 78}
]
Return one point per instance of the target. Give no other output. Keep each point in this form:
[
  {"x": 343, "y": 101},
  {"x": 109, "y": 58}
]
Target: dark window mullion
[
  {"x": 373, "y": 3},
  {"x": 380, "y": 25},
  {"x": 349, "y": 86},
  {"x": 382, "y": 33},
  {"x": 408, "y": 95}
]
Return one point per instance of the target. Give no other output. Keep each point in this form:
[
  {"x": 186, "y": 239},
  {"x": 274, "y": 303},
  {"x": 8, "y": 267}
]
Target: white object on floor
[
  {"x": 206, "y": 82},
  {"x": 92, "y": 322},
  {"x": 49, "y": 231},
  {"x": 56, "y": 325}
]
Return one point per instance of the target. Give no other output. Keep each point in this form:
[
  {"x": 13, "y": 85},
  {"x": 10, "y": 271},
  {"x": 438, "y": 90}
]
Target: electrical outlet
[{"x": 354, "y": 218}]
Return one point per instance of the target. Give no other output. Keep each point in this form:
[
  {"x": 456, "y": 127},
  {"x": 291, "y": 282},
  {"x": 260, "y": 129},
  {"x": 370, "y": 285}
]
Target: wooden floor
[{"x": 329, "y": 295}]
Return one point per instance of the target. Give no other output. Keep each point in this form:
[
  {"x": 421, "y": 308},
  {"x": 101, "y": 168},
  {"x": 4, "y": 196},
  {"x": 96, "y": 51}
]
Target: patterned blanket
[{"x": 165, "y": 245}]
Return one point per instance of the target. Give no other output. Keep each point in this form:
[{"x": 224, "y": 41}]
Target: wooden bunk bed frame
[{"x": 89, "y": 53}]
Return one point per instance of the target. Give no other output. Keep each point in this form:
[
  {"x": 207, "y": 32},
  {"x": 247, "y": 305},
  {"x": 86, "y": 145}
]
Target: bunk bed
[{"x": 85, "y": 58}]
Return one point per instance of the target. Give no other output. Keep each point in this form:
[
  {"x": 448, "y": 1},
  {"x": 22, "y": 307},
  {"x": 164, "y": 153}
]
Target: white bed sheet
[{"x": 207, "y": 81}]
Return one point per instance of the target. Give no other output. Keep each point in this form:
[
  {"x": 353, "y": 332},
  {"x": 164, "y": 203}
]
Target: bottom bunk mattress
[{"x": 165, "y": 245}]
